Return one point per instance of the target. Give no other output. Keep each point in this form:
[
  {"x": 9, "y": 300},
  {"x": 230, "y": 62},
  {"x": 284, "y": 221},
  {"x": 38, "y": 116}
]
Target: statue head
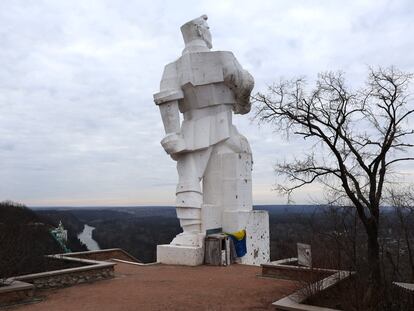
[{"x": 197, "y": 29}]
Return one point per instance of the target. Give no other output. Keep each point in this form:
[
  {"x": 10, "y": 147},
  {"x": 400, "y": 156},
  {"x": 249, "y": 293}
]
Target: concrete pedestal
[
  {"x": 227, "y": 207},
  {"x": 256, "y": 224},
  {"x": 180, "y": 255}
]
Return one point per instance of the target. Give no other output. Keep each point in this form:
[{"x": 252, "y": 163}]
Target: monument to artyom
[{"x": 205, "y": 87}]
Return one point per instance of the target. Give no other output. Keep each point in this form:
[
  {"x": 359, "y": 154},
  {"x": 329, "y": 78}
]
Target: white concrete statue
[{"x": 205, "y": 86}]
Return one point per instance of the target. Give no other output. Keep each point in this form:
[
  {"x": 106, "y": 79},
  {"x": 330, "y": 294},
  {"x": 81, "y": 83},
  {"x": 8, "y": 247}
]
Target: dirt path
[{"x": 163, "y": 287}]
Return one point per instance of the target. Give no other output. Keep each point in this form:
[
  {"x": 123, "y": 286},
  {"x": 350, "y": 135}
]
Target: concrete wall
[
  {"x": 104, "y": 254},
  {"x": 93, "y": 266},
  {"x": 90, "y": 271},
  {"x": 312, "y": 280},
  {"x": 294, "y": 273},
  {"x": 64, "y": 278},
  {"x": 15, "y": 292}
]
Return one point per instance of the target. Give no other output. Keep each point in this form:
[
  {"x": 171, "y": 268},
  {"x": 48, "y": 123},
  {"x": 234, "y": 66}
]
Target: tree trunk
[{"x": 373, "y": 293}]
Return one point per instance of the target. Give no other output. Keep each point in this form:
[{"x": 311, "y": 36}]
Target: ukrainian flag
[{"x": 239, "y": 240}]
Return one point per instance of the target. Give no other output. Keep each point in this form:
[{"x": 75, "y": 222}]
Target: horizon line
[{"x": 82, "y": 206}]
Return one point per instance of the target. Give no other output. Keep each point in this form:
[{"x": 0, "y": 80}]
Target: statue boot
[{"x": 188, "y": 202}]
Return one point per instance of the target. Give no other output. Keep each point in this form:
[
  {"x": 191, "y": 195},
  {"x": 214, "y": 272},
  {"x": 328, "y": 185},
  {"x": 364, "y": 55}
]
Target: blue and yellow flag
[{"x": 239, "y": 240}]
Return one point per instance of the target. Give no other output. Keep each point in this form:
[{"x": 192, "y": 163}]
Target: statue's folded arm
[{"x": 239, "y": 80}]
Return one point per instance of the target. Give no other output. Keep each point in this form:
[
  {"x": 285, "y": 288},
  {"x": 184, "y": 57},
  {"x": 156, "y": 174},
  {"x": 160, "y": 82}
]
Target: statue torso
[
  {"x": 200, "y": 76},
  {"x": 208, "y": 100}
]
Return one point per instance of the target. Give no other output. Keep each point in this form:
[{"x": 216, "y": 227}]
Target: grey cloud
[{"x": 77, "y": 121}]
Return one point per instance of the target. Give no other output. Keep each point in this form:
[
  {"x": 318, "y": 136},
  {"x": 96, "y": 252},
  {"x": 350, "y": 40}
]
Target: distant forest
[
  {"x": 138, "y": 230},
  {"x": 25, "y": 239},
  {"x": 333, "y": 233}
]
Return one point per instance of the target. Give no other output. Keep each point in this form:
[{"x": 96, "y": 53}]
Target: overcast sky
[{"x": 78, "y": 125}]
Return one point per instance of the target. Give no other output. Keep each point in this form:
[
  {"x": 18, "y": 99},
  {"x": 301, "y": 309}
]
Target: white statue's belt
[
  {"x": 167, "y": 96},
  {"x": 195, "y": 114}
]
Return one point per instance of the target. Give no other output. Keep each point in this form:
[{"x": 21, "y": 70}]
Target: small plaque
[{"x": 304, "y": 255}]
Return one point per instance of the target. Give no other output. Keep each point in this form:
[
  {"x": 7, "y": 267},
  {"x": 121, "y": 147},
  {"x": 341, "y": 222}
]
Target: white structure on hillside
[
  {"x": 304, "y": 255},
  {"x": 206, "y": 86},
  {"x": 60, "y": 232}
]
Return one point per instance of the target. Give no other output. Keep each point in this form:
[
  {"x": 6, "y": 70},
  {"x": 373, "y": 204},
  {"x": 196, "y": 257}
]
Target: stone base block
[
  {"x": 210, "y": 217},
  {"x": 256, "y": 224},
  {"x": 180, "y": 255}
]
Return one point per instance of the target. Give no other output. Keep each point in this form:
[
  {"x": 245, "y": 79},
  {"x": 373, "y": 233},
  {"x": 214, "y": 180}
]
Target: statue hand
[{"x": 173, "y": 144}]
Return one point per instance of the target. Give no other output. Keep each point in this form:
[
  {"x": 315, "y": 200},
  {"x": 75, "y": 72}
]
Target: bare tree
[
  {"x": 402, "y": 201},
  {"x": 358, "y": 137}
]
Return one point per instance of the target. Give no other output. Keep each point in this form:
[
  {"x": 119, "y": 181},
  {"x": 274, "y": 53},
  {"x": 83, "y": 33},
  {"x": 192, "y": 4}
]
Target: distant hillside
[
  {"x": 135, "y": 229},
  {"x": 138, "y": 229},
  {"x": 290, "y": 209},
  {"x": 14, "y": 213},
  {"x": 137, "y": 235},
  {"x": 86, "y": 213},
  {"x": 70, "y": 222},
  {"x": 24, "y": 240},
  {"x": 96, "y": 214}
]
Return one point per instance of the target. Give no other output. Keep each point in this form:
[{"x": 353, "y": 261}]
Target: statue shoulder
[
  {"x": 240, "y": 81},
  {"x": 170, "y": 77},
  {"x": 226, "y": 56},
  {"x": 170, "y": 70},
  {"x": 200, "y": 68}
]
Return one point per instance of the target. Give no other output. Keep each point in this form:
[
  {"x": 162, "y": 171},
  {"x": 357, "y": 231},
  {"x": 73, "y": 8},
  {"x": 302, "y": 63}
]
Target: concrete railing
[
  {"x": 90, "y": 271},
  {"x": 104, "y": 254},
  {"x": 16, "y": 292},
  {"x": 314, "y": 280},
  {"x": 284, "y": 269},
  {"x": 93, "y": 266}
]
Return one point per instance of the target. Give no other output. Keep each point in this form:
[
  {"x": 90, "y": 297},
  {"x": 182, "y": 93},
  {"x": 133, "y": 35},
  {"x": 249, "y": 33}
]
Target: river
[{"x": 86, "y": 238}]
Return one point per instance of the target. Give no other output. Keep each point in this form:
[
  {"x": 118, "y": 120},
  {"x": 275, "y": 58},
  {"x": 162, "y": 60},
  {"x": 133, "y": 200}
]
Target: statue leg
[
  {"x": 190, "y": 167},
  {"x": 227, "y": 182}
]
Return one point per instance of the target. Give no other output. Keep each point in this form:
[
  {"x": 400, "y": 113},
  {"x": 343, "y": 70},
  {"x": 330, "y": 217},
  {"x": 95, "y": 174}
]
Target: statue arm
[
  {"x": 240, "y": 81},
  {"x": 167, "y": 100}
]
